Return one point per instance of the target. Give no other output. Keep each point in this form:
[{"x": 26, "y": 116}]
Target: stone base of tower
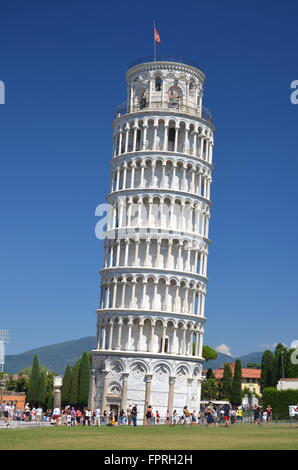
[{"x": 164, "y": 383}]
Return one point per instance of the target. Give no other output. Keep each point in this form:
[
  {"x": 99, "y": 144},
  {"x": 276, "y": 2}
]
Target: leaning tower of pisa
[{"x": 150, "y": 321}]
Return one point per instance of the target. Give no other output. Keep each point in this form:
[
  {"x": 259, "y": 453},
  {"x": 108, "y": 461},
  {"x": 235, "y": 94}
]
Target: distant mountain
[
  {"x": 57, "y": 356},
  {"x": 255, "y": 358},
  {"x": 54, "y": 357},
  {"x": 218, "y": 362}
]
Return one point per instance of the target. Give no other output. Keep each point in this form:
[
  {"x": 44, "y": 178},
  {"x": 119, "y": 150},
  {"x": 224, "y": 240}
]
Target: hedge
[{"x": 279, "y": 400}]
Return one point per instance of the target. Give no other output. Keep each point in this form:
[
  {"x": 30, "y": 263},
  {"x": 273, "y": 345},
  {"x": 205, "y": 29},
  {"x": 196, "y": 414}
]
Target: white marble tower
[{"x": 150, "y": 322}]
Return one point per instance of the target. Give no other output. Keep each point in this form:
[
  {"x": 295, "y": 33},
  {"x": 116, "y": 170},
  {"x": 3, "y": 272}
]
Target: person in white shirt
[
  {"x": 97, "y": 417},
  {"x": 38, "y": 414},
  {"x": 56, "y": 414}
]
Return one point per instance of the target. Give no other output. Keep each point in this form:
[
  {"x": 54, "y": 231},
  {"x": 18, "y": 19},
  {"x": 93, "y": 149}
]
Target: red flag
[{"x": 156, "y": 36}]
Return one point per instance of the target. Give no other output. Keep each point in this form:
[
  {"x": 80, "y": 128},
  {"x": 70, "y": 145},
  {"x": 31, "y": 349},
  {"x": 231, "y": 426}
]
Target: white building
[
  {"x": 287, "y": 384},
  {"x": 150, "y": 322}
]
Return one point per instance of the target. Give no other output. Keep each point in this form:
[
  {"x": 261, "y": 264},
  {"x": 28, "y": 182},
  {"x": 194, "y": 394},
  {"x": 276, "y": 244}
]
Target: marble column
[
  {"x": 124, "y": 391},
  {"x": 92, "y": 391},
  {"x": 105, "y": 390},
  {"x": 147, "y": 402},
  {"x": 171, "y": 395}
]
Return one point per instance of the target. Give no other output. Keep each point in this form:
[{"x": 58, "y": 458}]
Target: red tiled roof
[
  {"x": 287, "y": 379},
  {"x": 246, "y": 373}
]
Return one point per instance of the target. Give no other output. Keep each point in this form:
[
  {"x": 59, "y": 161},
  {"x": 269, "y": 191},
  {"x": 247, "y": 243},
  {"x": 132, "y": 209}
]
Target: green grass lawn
[{"x": 238, "y": 436}]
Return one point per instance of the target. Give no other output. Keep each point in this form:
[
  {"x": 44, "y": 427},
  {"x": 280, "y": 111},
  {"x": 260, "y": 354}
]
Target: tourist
[
  {"x": 233, "y": 416},
  {"x": 64, "y": 417},
  {"x": 168, "y": 417},
  {"x": 128, "y": 414},
  {"x": 239, "y": 414},
  {"x": 215, "y": 417},
  {"x": 209, "y": 417},
  {"x": 221, "y": 415},
  {"x": 6, "y": 413},
  {"x": 185, "y": 416},
  {"x": 148, "y": 415},
  {"x": 104, "y": 418},
  {"x": 269, "y": 413},
  {"x": 73, "y": 417},
  {"x": 56, "y": 414},
  {"x": 174, "y": 418},
  {"x": 19, "y": 414},
  {"x": 97, "y": 417},
  {"x": 227, "y": 415},
  {"x": 87, "y": 416},
  {"x": 78, "y": 416},
  {"x": 39, "y": 414},
  {"x": 112, "y": 418},
  {"x": 27, "y": 412},
  {"x": 134, "y": 413},
  {"x": 83, "y": 417},
  {"x": 193, "y": 417},
  {"x": 257, "y": 415},
  {"x": 157, "y": 417},
  {"x": 122, "y": 416}
]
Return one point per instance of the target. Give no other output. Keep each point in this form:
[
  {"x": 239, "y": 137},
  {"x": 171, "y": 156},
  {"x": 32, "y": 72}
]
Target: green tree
[
  {"x": 74, "y": 392},
  {"x": 209, "y": 353},
  {"x": 66, "y": 386},
  {"x": 280, "y": 358},
  {"x": 268, "y": 369},
  {"x": 32, "y": 396},
  {"x": 22, "y": 384},
  {"x": 227, "y": 381},
  {"x": 236, "y": 392},
  {"x": 42, "y": 389},
  {"x": 11, "y": 384},
  {"x": 210, "y": 374},
  {"x": 84, "y": 379},
  {"x": 210, "y": 389}
]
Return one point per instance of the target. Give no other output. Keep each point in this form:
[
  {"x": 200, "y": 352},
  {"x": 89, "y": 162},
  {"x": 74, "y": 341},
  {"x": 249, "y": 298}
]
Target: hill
[
  {"x": 57, "y": 356},
  {"x": 54, "y": 357},
  {"x": 255, "y": 358}
]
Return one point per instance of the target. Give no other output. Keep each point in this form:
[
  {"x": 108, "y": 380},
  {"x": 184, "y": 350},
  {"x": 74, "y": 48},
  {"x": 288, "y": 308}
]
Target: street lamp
[{"x": 282, "y": 364}]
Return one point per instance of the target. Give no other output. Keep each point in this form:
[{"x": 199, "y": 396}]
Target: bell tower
[{"x": 151, "y": 317}]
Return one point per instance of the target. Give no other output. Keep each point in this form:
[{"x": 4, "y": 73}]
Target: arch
[
  {"x": 138, "y": 369},
  {"x": 161, "y": 372}
]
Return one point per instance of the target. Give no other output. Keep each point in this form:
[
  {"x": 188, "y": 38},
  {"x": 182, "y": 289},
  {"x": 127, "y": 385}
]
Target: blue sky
[{"x": 63, "y": 64}]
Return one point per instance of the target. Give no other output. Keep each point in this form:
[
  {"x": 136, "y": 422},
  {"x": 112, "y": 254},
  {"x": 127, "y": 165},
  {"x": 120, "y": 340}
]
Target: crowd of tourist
[{"x": 211, "y": 415}]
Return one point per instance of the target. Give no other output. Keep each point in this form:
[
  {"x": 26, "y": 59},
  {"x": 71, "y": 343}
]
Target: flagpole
[{"x": 154, "y": 42}]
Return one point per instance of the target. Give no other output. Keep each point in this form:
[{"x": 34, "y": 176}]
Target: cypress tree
[
  {"x": 84, "y": 379},
  {"x": 236, "y": 393},
  {"x": 280, "y": 356},
  {"x": 42, "y": 389},
  {"x": 74, "y": 391},
  {"x": 268, "y": 367},
  {"x": 33, "y": 387},
  {"x": 227, "y": 381},
  {"x": 210, "y": 374},
  {"x": 66, "y": 386}
]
